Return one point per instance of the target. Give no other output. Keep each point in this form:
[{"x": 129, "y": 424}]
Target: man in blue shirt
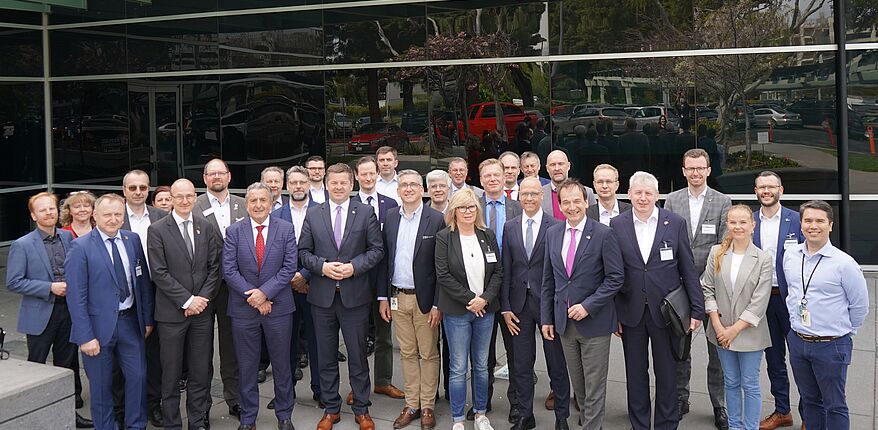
[{"x": 828, "y": 301}]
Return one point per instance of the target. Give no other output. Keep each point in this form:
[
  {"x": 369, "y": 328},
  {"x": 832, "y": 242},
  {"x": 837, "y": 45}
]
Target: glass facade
[{"x": 166, "y": 85}]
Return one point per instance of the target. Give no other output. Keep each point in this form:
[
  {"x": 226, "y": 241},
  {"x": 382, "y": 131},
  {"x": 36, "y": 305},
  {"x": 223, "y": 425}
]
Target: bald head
[
  {"x": 183, "y": 196},
  {"x": 558, "y": 166},
  {"x": 530, "y": 195}
]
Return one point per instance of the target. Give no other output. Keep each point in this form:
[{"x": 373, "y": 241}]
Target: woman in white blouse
[{"x": 737, "y": 286}]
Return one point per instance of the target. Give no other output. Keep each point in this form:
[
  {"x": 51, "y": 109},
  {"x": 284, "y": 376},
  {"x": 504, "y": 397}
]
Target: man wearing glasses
[
  {"x": 316, "y": 171},
  {"x": 138, "y": 217},
  {"x": 606, "y": 183},
  {"x": 704, "y": 210}
]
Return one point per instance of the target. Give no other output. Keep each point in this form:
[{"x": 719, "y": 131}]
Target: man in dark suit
[
  {"x": 273, "y": 176},
  {"x": 138, "y": 217},
  {"x": 221, "y": 209},
  {"x": 777, "y": 228},
  {"x": 530, "y": 167},
  {"x": 658, "y": 260},
  {"x": 523, "y": 252},
  {"x": 303, "y": 324},
  {"x": 379, "y": 338},
  {"x": 582, "y": 274},
  {"x": 634, "y": 148},
  {"x": 35, "y": 269},
  {"x": 606, "y": 183},
  {"x": 184, "y": 254},
  {"x": 110, "y": 298},
  {"x": 259, "y": 260},
  {"x": 316, "y": 171},
  {"x": 407, "y": 294},
  {"x": 511, "y": 170},
  {"x": 341, "y": 240}
]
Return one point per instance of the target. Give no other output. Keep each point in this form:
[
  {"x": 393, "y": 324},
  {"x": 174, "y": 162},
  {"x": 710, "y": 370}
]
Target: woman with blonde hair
[
  {"x": 469, "y": 274},
  {"x": 76, "y": 212},
  {"x": 737, "y": 287}
]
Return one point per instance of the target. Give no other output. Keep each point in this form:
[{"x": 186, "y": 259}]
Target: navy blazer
[
  {"x": 518, "y": 270},
  {"x": 423, "y": 260},
  {"x": 29, "y": 273},
  {"x": 598, "y": 275},
  {"x": 283, "y": 213},
  {"x": 361, "y": 246},
  {"x": 384, "y": 203},
  {"x": 92, "y": 296},
  {"x": 278, "y": 267},
  {"x": 654, "y": 280},
  {"x": 790, "y": 228}
]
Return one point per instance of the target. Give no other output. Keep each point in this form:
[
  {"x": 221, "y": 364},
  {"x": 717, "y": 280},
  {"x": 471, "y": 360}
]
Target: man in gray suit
[
  {"x": 221, "y": 209},
  {"x": 559, "y": 170},
  {"x": 606, "y": 183},
  {"x": 184, "y": 262},
  {"x": 458, "y": 171},
  {"x": 704, "y": 210}
]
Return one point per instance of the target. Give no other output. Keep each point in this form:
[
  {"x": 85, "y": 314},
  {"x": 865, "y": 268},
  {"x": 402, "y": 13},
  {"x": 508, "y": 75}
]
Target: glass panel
[
  {"x": 173, "y": 45},
  {"x": 88, "y": 51},
  {"x": 22, "y": 52},
  {"x": 16, "y": 217},
  {"x": 279, "y": 39},
  {"x": 22, "y": 17},
  {"x": 744, "y": 24},
  {"x": 91, "y": 133},
  {"x": 372, "y": 34},
  {"x": 98, "y": 10},
  {"x": 863, "y": 120},
  {"x": 136, "y": 9},
  {"x": 864, "y": 237},
  {"x": 253, "y": 4},
  {"x": 22, "y": 135},
  {"x": 862, "y": 17}
]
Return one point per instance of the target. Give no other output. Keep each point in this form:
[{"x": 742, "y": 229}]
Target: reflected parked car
[
  {"x": 776, "y": 117},
  {"x": 361, "y": 121},
  {"x": 341, "y": 125},
  {"x": 583, "y": 115},
  {"x": 375, "y": 135},
  {"x": 651, "y": 114}
]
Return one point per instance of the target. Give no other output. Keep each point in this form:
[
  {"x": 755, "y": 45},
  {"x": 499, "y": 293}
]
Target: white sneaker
[
  {"x": 482, "y": 423},
  {"x": 458, "y": 426}
]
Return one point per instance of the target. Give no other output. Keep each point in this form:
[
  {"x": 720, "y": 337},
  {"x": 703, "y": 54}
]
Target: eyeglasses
[
  {"x": 439, "y": 186},
  {"x": 134, "y": 188},
  {"x": 605, "y": 182},
  {"x": 189, "y": 197},
  {"x": 403, "y": 185},
  {"x": 528, "y": 195},
  {"x": 216, "y": 174},
  {"x": 465, "y": 209},
  {"x": 767, "y": 187},
  {"x": 693, "y": 169}
]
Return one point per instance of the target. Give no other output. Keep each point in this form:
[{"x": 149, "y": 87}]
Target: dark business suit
[
  {"x": 93, "y": 300},
  {"x": 344, "y": 304},
  {"x": 227, "y": 359},
  {"x": 596, "y": 278},
  {"x": 777, "y": 315},
  {"x": 43, "y": 316},
  {"x": 634, "y": 149},
  {"x": 302, "y": 321},
  {"x": 520, "y": 294},
  {"x": 273, "y": 279},
  {"x": 378, "y": 328},
  {"x": 638, "y": 306},
  {"x": 594, "y": 210},
  {"x": 177, "y": 276}
]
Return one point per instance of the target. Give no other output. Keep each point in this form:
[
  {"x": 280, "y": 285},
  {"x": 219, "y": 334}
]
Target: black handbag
[{"x": 676, "y": 309}]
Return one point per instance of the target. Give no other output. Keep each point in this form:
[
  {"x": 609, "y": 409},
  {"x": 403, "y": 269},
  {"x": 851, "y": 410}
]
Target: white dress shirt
[
  {"x": 140, "y": 225},
  {"x": 318, "y": 194},
  {"x": 374, "y": 203},
  {"x": 565, "y": 244},
  {"x": 538, "y": 219},
  {"x": 253, "y": 226},
  {"x": 221, "y": 211},
  {"x": 695, "y": 204},
  {"x": 514, "y": 193},
  {"x": 606, "y": 215},
  {"x": 389, "y": 188},
  {"x": 344, "y": 214},
  {"x": 645, "y": 232},
  {"x": 298, "y": 217},
  {"x": 179, "y": 220},
  {"x": 769, "y": 229},
  {"x": 126, "y": 263}
]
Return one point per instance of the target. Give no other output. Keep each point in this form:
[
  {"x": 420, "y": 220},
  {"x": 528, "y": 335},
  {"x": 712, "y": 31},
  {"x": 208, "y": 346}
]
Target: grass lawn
[{"x": 857, "y": 161}]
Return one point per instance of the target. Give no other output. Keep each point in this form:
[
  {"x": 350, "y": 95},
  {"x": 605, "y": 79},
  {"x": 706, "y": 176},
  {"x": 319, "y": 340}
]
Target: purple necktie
[
  {"x": 571, "y": 252},
  {"x": 337, "y": 227}
]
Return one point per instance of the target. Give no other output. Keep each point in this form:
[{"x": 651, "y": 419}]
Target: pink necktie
[{"x": 571, "y": 252}]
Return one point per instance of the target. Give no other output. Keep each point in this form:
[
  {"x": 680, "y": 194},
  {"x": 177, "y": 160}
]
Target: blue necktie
[
  {"x": 529, "y": 238},
  {"x": 119, "y": 268}
]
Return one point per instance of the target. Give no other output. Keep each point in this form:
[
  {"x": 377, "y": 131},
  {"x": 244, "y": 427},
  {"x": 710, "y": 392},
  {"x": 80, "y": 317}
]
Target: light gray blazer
[
  {"x": 747, "y": 302},
  {"x": 714, "y": 211},
  {"x": 546, "y": 204}
]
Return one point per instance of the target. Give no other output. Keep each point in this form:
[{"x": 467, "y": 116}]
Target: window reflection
[
  {"x": 271, "y": 40},
  {"x": 21, "y": 51},
  {"x": 88, "y": 51},
  {"x": 372, "y": 34},
  {"x": 13, "y": 210},
  {"x": 22, "y": 134}
]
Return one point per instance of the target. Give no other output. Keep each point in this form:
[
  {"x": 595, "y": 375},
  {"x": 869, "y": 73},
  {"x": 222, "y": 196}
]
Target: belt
[
  {"x": 337, "y": 289},
  {"x": 816, "y": 339},
  {"x": 404, "y": 290},
  {"x": 775, "y": 291},
  {"x": 125, "y": 312}
]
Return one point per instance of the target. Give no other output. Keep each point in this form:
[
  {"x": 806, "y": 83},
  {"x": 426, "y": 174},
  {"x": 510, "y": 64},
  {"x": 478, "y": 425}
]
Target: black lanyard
[{"x": 808, "y": 284}]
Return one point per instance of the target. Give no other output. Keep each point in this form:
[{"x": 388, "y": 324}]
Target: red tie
[
  {"x": 260, "y": 246},
  {"x": 509, "y": 194}
]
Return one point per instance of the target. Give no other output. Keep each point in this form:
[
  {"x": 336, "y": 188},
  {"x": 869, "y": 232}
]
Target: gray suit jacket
[
  {"x": 513, "y": 209},
  {"x": 237, "y": 210},
  {"x": 547, "y": 198},
  {"x": 747, "y": 301},
  {"x": 593, "y": 211},
  {"x": 713, "y": 212}
]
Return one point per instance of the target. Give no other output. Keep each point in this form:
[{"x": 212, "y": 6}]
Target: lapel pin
[
  {"x": 235, "y": 207},
  {"x": 197, "y": 231},
  {"x": 588, "y": 237},
  {"x": 666, "y": 222},
  {"x": 786, "y": 220}
]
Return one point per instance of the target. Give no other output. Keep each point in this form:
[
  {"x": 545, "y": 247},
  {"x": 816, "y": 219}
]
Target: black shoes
[
  {"x": 720, "y": 419},
  {"x": 683, "y": 407},
  {"x": 524, "y": 423},
  {"x": 270, "y": 404},
  {"x": 562, "y": 425},
  {"x": 247, "y": 427},
  {"x": 155, "y": 417},
  {"x": 182, "y": 384},
  {"x": 235, "y": 411},
  {"x": 79, "y": 402},
  {"x": 261, "y": 376},
  {"x": 285, "y": 425},
  {"x": 83, "y": 422},
  {"x": 370, "y": 346},
  {"x": 513, "y": 414}
]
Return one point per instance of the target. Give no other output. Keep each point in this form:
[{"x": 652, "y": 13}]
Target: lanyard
[{"x": 808, "y": 284}]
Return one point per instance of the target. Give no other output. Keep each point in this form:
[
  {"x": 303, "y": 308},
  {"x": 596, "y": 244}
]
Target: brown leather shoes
[
  {"x": 776, "y": 420},
  {"x": 350, "y": 399},
  {"x": 428, "y": 421},
  {"x": 365, "y": 422},
  {"x": 550, "y": 401},
  {"x": 390, "y": 391},
  {"x": 328, "y": 421},
  {"x": 406, "y": 417}
]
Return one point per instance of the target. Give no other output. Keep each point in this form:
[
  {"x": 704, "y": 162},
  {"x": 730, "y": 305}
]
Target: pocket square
[
  {"x": 427, "y": 237},
  {"x": 238, "y": 219}
]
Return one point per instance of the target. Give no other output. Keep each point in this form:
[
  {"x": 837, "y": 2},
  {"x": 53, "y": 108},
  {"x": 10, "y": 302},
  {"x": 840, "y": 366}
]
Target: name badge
[
  {"x": 394, "y": 304},
  {"x": 708, "y": 229},
  {"x": 806, "y": 318},
  {"x": 787, "y": 244},
  {"x": 666, "y": 254},
  {"x": 491, "y": 257},
  {"x": 138, "y": 271},
  {"x": 207, "y": 212}
]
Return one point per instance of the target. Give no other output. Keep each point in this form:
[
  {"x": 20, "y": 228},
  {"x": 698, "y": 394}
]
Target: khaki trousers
[{"x": 418, "y": 351}]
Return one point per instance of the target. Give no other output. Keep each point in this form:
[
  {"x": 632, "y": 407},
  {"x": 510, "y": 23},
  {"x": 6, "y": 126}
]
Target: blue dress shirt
[
  {"x": 403, "y": 261},
  {"x": 501, "y": 218}
]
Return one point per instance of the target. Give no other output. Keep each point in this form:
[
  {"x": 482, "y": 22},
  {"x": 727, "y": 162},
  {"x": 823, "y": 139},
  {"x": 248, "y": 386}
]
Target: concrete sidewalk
[{"x": 861, "y": 385}]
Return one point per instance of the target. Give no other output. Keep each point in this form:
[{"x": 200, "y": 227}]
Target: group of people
[{"x": 139, "y": 292}]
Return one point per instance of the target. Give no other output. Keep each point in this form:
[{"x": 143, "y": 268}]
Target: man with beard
[
  {"x": 559, "y": 169},
  {"x": 316, "y": 171}
]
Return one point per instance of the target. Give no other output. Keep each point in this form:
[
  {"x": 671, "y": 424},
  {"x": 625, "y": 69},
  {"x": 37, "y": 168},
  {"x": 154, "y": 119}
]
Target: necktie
[
  {"x": 571, "y": 252},
  {"x": 508, "y": 194},
  {"x": 119, "y": 268},
  {"x": 187, "y": 239},
  {"x": 260, "y": 246},
  {"x": 529, "y": 238},
  {"x": 492, "y": 222},
  {"x": 336, "y": 228},
  {"x": 369, "y": 202}
]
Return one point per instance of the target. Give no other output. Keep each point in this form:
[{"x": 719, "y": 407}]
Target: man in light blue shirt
[{"x": 828, "y": 302}]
